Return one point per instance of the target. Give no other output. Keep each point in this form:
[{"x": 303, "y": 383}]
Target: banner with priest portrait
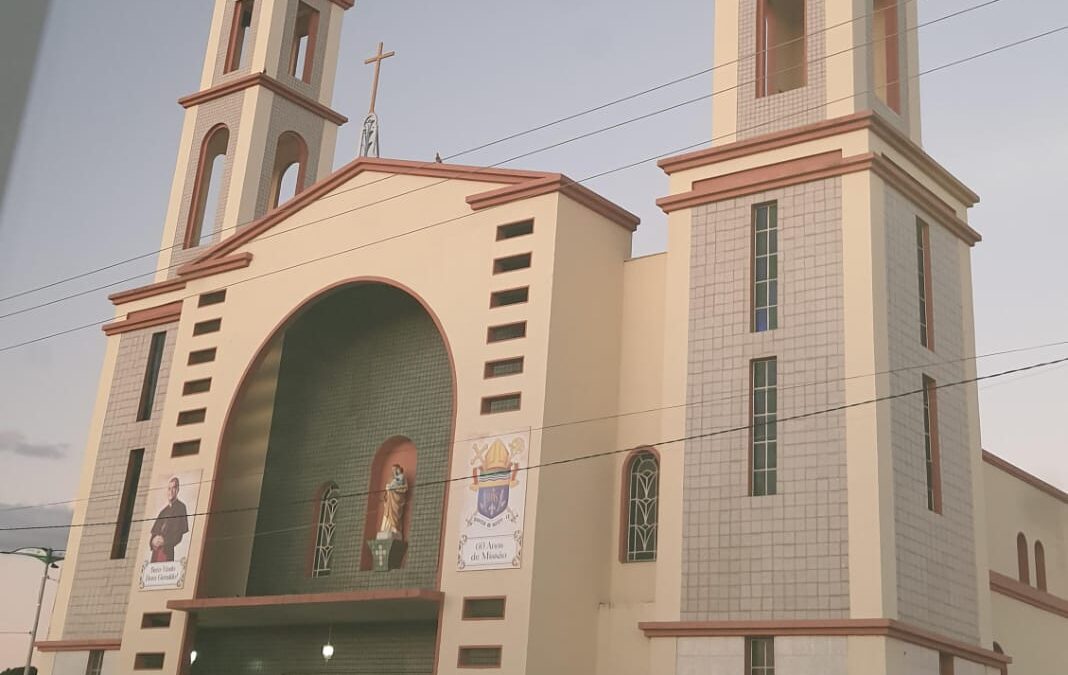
[{"x": 167, "y": 551}]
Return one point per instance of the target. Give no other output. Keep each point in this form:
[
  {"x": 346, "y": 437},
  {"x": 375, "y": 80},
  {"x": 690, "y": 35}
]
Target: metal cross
[{"x": 377, "y": 60}]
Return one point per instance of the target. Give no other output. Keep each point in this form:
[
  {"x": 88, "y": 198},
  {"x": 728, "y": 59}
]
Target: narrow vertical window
[
  {"x": 207, "y": 187},
  {"x": 239, "y": 35},
  {"x": 95, "y": 665},
  {"x": 324, "y": 531},
  {"x": 641, "y": 499},
  {"x": 923, "y": 271},
  {"x": 290, "y": 161},
  {"x": 932, "y": 456},
  {"x": 760, "y": 656},
  {"x": 885, "y": 41},
  {"x": 765, "y": 267},
  {"x": 304, "y": 33},
  {"x": 124, "y": 519},
  {"x": 1022, "y": 564},
  {"x": 763, "y": 433},
  {"x": 1040, "y": 566},
  {"x": 780, "y": 48},
  {"x": 945, "y": 663},
  {"x": 148, "y": 385}
]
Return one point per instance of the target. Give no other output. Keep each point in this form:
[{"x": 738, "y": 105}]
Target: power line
[
  {"x": 595, "y": 455},
  {"x": 603, "y": 418},
  {"x": 512, "y": 137},
  {"x": 469, "y": 214}
]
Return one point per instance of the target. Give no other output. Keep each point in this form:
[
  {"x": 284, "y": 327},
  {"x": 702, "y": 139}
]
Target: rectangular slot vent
[
  {"x": 479, "y": 657},
  {"x": 156, "y": 620},
  {"x": 508, "y": 331},
  {"x": 498, "y": 404},
  {"x": 513, "y": 230},
  {"x": 148, "y": 661},
  {"x": 185, "y": 448},
  {"x": 504, "y": 367},
  {"x": 213, "y": 298},
  {"x": 511, "y": 296},
  {"x": 196, "y": 386},
  {"x": 191, "y": 416},
  {"x": 205, "y": 327},
  {"x": 483, "y": 608},
  {"x": 202, "y": 356},
  {"x": 511, "y": 263}
]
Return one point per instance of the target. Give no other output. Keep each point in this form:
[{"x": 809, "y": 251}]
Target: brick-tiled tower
[
  {"x": 260, "y": 129},
  {"x": 828, "y": 263}
]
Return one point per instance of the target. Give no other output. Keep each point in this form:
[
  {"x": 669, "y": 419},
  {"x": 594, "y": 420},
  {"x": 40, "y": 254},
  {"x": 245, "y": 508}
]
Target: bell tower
[
  {"x": 784, "y": 63},
  {"x": 260, "y": 129}
]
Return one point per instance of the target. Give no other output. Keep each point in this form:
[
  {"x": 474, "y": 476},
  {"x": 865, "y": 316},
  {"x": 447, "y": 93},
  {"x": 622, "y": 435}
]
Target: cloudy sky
[{"x": 96, "y": 155}]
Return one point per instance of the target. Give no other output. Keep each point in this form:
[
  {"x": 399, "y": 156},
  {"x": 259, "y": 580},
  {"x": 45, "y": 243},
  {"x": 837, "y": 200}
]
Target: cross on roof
[{"x": 377, "y": 60}]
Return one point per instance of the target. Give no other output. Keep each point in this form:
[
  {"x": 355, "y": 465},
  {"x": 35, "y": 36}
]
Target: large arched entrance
[{"x": 355, "y": 384}]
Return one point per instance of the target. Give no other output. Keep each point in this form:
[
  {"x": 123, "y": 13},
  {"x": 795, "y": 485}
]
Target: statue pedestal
[{"x": 387, "y": 550}]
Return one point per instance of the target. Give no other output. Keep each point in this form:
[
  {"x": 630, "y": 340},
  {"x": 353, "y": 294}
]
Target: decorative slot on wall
[
  {"x": 213, "y": 298},
  {"x": 504, "y": 367},
  {"x": 191, "y": 416},
  {"x": 480, "y": 609},
  {"x": 185, "y": 448},
  {"x": 156, "y": 620},
  {"x": 202, "y": 356},
  {"x": 196, "y": 386},
  {"x": 508, "y": 331},
  {"x": 479, "y": 657},
  {"x": 511, "y": 263},
  {"x": 498, "y": 404},
  {"x": 205, "y": 327},
  {"x": 148, "y": 661},
  {"x": 511, "y": 296},
  {"x": 513, "y": 230}
]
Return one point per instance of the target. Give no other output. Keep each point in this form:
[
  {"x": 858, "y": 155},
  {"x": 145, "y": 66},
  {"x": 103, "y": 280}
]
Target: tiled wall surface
[
  {"x": 362, "y": 365},
  {"x": 775, "y": 112},
  {"x": 781, "y": 556},
  {"x": 101, "y": 585},
  {"x": 359, "y": 649},
  {"x": 936, "y": 575}
]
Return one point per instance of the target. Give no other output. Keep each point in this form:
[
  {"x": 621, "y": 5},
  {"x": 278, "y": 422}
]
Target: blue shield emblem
[{"x": 492, "y": 501}]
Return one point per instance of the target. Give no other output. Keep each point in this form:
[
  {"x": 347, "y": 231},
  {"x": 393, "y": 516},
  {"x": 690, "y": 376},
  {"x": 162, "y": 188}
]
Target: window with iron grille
[
  {"x": 765, "y": 267},
  {"x": 324, "y": 534},
  {"x": 643, "y": 488},
  {"x": 764, "y": 432}
]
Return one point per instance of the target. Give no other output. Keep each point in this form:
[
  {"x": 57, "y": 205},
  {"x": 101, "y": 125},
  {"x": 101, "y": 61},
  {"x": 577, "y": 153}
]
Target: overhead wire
[
  {"x": 472, "y": 213},
  {"x": 594, "y": 455},
  {"x": 501, "y": 140}
]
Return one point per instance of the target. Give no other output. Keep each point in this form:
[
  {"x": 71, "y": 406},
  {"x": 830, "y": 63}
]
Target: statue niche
[{"x": 389, "y": 499}]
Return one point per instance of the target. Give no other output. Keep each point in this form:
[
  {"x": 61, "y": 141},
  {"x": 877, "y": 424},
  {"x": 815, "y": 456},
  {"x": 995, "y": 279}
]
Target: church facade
[{"x": 416, "y": 417}]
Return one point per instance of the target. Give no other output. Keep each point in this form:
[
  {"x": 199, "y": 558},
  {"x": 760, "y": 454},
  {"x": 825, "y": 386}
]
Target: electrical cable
[
  {"x": 594, "y": 455},
  {"x": 495, "y": 142},
  {"x": 469, "y": 214}
]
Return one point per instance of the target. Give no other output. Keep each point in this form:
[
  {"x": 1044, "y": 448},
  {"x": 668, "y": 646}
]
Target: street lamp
[{"x": 49, "y": 557}]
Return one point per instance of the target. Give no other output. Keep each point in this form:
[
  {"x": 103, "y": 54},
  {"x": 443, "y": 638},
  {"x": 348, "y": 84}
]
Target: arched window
[
  {"x": 641, "y": 493},
  {"x": 1021, "y": 558},
  {"x": 324, "y": 531},
  {"x": 998, "y": 649},
  {"x": 290, "y": 164},
  {"x": 208, "y": 184},
  {"x": 1040, "y": 565}
]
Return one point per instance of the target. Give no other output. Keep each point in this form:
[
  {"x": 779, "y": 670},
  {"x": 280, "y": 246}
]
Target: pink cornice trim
[
  {"x": 268, "y": 82},
  {"x": 195, "y": 604},
  {"x": 889, "y": 628},
  {"x": 78, "y": 645},
  {"x": 834, "y": 127},
  {"x": 1007, "y": 586},
  {"x": 145, "y": 318},
  {"x": 556, "y": 183},
  {"x": 1029, "y": 478}
]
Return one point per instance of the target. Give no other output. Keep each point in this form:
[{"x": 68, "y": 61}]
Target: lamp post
[{"x": 49, "y": 557}]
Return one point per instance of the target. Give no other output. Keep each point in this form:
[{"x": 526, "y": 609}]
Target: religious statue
[{"x": 394, "y": 499}]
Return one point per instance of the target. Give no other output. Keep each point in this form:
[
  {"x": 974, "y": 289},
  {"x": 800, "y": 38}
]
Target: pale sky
[{"x": 96, "y": 156}]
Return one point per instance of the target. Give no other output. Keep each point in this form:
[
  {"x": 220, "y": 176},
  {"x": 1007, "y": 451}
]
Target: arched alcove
[
  {"x": 395, "y": 451},
  {"x": 207, "y": 185},
  {"x": 358, "y": 363},
  {"x": 290, "y": 167}
]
